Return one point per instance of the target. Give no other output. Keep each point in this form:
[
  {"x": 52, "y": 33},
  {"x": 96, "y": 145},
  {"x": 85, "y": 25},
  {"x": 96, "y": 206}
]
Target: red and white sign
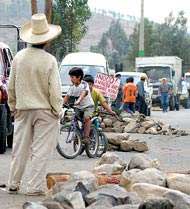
[{"x": 108, "y": 85}]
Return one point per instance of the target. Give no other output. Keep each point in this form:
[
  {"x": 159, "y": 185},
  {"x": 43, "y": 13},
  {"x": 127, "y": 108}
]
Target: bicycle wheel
[
  {"x": 69, "y": 139},
  {"x": 103, "y": 144},
  {"x": 92, "y": 148}
]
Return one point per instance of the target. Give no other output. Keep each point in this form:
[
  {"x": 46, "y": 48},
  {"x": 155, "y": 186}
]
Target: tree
[
  {"x": 34, "y": 7},
  {"x": 113, "y": 44},
  {"x": 168, "y": 39},
  {"x": 71, "y": 15},
  {"x": 48, "y": 10}
]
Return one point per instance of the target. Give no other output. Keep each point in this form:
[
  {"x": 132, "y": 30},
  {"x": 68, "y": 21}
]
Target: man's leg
[
  {"x": 21, "y": 147},
  {"x": 167, "y": 102},
  {"x": 162, "y": 101},
  {"x": 46, "y": 129}
]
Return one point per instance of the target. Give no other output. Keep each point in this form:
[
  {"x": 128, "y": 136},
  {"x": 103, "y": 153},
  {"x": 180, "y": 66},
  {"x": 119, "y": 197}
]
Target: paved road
[{"x": 172, "y": 152}]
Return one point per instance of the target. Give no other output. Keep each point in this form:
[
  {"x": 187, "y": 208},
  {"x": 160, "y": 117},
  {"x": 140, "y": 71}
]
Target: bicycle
[{"x": 71, "y": 143}]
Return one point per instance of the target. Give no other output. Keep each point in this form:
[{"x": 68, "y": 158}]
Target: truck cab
[
  {"x": 156, "y": 68},
  {"x": 6, "y": 127}
]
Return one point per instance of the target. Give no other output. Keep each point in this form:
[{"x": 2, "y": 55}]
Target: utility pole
[{"x": 141, "y": 34}]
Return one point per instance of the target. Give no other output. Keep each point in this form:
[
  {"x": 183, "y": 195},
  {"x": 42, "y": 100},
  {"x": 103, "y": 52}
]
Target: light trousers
[{"x": 35, "y": 137}]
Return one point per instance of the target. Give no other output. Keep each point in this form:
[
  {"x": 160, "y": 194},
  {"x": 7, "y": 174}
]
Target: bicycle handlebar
[{"x": 107, "y": 113}]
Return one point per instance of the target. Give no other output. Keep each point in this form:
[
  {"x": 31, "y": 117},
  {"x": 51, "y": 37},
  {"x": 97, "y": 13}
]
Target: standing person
[
  {"x": 141, "y": 104},
  {"x": 35, "y": 100},
  {"x": 129, "y": 95},
  {"x": 118, "y": 101},
  {"x": 164, "y": 90}
]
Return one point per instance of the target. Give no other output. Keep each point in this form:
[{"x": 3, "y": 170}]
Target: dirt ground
[{"x": 171, "y": 151}]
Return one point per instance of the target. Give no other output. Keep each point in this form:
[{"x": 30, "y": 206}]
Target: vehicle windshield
[
  {"x": 155, "y": 73},
  {"x": 124, "y": 78},
  {"x": 88, "y": 70}
]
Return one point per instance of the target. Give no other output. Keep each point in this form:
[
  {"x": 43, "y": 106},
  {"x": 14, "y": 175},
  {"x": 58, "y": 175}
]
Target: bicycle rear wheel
[
  {"x": 92, "y": 148},
  {"x": 69, "y": 143},
  {"x": 103, "y": 144}
]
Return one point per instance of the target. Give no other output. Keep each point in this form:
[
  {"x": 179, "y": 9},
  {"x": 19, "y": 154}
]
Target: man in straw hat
[{"x": 35, "y": 101}]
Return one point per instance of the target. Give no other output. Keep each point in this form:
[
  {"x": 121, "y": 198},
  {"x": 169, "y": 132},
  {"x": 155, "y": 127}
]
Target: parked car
[
  {"x": 91, "y": 63},
  {"x": 147, "y": 86},
  {"x": 6, "y": 127}
]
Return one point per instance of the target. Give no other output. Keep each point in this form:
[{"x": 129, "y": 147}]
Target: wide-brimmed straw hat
[{"x": 38, "y": 31}]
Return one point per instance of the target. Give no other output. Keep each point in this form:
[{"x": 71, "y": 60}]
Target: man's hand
[{"x": 77, "y": 102}]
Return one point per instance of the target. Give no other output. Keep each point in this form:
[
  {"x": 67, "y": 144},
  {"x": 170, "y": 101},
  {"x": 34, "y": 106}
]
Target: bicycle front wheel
[
  {"x": 69, "y": 143},
  {"x": 92, "y": 147}
]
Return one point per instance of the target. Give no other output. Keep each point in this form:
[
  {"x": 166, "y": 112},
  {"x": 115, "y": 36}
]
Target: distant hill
[
  {"x": 99, "y": 24},
  {"x": 18, "y": 11}
]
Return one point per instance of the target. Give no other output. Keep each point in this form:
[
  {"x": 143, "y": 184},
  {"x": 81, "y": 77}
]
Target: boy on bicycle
[
  {"x": 81, "y": 92},
  {"x": 97, "y": 96}
]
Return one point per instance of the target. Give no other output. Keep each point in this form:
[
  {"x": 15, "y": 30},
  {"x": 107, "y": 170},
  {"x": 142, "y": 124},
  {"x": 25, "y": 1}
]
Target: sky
[{"x": 155, "y": 10}]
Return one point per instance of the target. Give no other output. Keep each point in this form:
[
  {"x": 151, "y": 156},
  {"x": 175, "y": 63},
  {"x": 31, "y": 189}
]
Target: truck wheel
[{"x": 3, "y": 128}]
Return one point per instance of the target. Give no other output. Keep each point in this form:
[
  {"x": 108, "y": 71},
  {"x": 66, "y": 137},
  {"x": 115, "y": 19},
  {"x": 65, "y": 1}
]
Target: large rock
[
  {"x": 128, "y": 206},
  {"x": 109, "y": 158},
  {"x": 119, "y": 195},
  {"x": 152, "y": 131},
  {"x": 150, "y": 191},
  {"x": 134, "y": 145},
  {"x": 76, "y": 200},
  {"x": 141, "y": 130},
  {"x": 109, "y": 169},
  {"x": 33, "y": 205},
  {"x": 126, "y": 177},
  {"x": 102, "y": 202},
  {"x": 142, "y": 162},
  {"x": 179, "y": 199},
  {"x": 159, "y": 203},
  {"x": 117, "y": 139},
  {"x": 148, "y": 124},
  {"x": 179, "y": 182},
  {"x": 108, "y": 122},
  {"x": 118, "y": 127},
  {"x": 83, "y": 176},
  {"x": 73, "y": 199},
  {"x": 149, "y": 175},
  {"x": 50, "y": 204},
  {"x": 130, "y": 127}
]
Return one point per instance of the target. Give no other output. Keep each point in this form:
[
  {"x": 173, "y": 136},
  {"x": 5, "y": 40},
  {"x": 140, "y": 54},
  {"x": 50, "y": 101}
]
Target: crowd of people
[{"x": 131, "y": 96}]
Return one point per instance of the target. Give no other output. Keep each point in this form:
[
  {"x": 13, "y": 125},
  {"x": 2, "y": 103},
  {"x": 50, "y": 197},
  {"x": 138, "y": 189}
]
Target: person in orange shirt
[{"x": 129, "y": 95}]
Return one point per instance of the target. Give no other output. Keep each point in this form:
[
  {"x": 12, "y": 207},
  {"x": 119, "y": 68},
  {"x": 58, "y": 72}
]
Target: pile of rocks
[
  {"x": 126, "y": 143},
  {"x": 138, "y": 123},
  {"x": 142, "y": 185}
]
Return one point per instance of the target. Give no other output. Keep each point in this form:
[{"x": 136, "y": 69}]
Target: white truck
[{"x": 169, "y": 67}]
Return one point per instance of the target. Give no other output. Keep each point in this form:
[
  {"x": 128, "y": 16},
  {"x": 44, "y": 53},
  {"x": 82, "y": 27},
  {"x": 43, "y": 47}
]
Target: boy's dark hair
[
  {"x": 130, "y": 79},
  {"x": 89, "y": 79},
  {"x": 76, "y": 71}
]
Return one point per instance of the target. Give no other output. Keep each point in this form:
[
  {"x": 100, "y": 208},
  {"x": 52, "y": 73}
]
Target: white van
[{"x": 91, "y": 63}]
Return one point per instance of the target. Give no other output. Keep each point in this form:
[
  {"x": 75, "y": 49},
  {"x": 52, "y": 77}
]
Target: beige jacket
[{"x": 34, "y": 82}]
